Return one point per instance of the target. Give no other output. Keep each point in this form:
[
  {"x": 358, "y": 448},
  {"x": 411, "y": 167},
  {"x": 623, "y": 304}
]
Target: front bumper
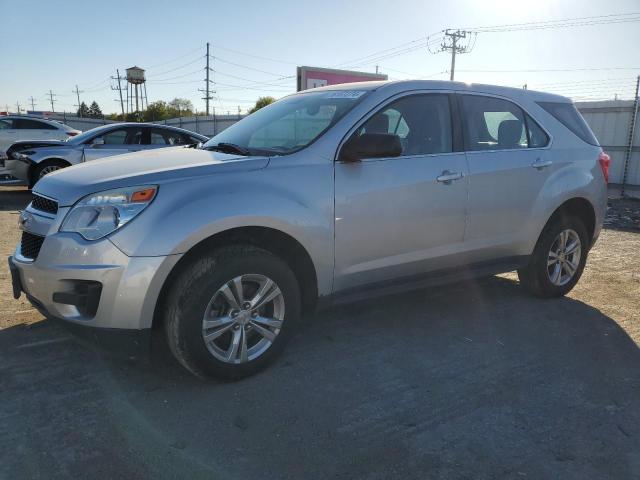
[{"x": 121, "y": 292}]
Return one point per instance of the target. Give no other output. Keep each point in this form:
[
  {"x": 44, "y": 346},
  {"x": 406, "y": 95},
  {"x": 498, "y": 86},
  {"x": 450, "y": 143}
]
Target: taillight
[
  {"x": 72, "y": 134},
  {"x": 605, "y": 161}
]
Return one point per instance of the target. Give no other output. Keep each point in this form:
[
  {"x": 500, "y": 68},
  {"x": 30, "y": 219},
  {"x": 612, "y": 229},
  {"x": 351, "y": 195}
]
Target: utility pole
[
  {"x": 52, "y": 100},
  {"x": 632, "y": 131},
  {"x": 118, "y": 77},
  {"x": 78, "y": 92},
  {"x": 454, "y": 46},
  {"x": 206, "y": 91},
  {"x": 376, "y": 69},
  {"x": 18, "y": 107},
  {"x": 33, "y": 103}
]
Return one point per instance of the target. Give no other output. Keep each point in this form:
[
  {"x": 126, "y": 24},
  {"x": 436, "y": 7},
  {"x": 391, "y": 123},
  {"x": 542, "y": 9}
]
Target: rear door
[
  {"x": 509, "y": 162},
  {"x": 402, "y": 216},
  {"x": 116, "y": 142},
  {"x": 31, "y": 129}
]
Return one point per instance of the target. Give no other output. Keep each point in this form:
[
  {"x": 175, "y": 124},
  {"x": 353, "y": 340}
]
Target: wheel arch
[
  {"x": 581, "y": 208},
  {"x": 34, "y": 167},
  {"x": 275, "y": 241}
]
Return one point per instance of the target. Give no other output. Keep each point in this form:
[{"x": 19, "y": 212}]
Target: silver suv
[{"x": 331, "y": 195}]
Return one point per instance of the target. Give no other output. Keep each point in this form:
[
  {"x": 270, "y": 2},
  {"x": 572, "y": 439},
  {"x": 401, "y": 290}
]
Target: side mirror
[
  {"x": 371, "y": 145},
  {"x": 97, "y": 141}
]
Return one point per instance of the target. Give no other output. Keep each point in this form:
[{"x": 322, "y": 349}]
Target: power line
[
  {"x": 394, "y": 52},
  {"x": 177, "y": 76},
  {"x": 561, "y": 23},
  {"x": 535, "y": 70},
  {"x": 257, "y": 56},
  {"x": 249, "y": 68},
  {"x": 180, "y": 66},
  {"x": 175, "y": 59}
]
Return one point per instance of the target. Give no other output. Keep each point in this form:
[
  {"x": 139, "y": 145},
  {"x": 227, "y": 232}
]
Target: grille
[
  {"x": 30, "y": 245},
  {"x": 44, "y": 204}
]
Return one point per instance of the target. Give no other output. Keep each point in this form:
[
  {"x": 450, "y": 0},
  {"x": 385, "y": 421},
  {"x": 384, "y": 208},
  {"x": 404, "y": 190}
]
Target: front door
[
  {"x": 401, "y": 216},
  {"x": 116, "y": 142}
]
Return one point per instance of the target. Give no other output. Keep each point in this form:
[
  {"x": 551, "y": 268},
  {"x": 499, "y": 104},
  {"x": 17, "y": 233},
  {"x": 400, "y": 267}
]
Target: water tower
[{"x": 135, "y": 78}]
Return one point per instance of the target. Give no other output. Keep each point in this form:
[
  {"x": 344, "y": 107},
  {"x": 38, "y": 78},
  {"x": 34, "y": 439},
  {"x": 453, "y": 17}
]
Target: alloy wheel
[
  {"x": 564, "y": 257},
  {"x": 48, "y": 170},
  {"x": 243, "y": 318}
]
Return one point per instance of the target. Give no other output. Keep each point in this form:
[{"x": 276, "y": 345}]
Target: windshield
[
  {"x": 289, "y": 124},
  {"x": 83, "y": 137}
]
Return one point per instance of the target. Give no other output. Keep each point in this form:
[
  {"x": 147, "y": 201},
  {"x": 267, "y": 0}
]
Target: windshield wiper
[{"x": 228, "y": 148}]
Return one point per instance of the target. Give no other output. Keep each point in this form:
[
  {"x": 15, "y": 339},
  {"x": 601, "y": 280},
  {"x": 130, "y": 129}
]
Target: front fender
[{"x": 186, "y": 213}]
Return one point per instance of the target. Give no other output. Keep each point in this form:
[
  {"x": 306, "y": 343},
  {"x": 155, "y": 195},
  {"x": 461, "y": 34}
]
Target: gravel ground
[{"x": 473, "y": 380}]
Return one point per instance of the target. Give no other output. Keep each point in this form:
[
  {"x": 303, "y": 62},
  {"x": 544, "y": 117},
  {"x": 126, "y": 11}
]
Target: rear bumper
[
  {"x": 17, "y": 168},
  {"x": 6, "y": 178}
]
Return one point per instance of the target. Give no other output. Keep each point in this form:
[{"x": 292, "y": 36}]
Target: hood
[
  {"x": 141, "y": 168},
  {"x": 30, "y": 144}
]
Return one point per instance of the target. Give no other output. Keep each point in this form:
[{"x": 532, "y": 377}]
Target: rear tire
[
  {"x": 204, "y": 301},
  {"x": 558, "y": 259}
]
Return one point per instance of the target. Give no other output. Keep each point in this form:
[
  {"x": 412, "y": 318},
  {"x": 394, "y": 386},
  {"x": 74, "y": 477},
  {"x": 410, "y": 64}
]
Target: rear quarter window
[{"x": 568, "y": 115}]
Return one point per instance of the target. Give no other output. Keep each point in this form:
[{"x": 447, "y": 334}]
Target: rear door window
[
  {"x": 497, "y": 124},
  {"x": 493, "y": 124},
  {"x": 568, "y": 115},
  {"x": 28, "y": 124},
  {"x": 161, "y": 136}
]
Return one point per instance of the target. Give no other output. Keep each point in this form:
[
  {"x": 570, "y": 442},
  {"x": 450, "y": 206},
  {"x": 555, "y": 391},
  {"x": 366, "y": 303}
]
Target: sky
[{"x": 256, "y": 45}]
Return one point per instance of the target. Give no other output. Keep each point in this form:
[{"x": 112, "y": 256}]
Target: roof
[{"x": 444, "y": 85}]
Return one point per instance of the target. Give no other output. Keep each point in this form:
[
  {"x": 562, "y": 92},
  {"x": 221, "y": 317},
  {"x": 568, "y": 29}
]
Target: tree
[
  {"x": 262, "y": 102},
  {"x": 180, "y": 107},
  {"x": 94, "y": 110},
  {"x": 83, "y": 111},
  {"x": 156, "y": 111}
]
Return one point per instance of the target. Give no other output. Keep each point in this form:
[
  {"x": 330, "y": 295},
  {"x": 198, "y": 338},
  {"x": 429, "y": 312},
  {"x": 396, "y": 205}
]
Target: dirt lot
[{"x": 474, "y": 380}]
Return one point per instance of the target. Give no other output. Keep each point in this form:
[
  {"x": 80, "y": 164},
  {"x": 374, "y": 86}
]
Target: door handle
[
  {"x": 447, "y": 177},
  {"x": 540, "y": 164}
]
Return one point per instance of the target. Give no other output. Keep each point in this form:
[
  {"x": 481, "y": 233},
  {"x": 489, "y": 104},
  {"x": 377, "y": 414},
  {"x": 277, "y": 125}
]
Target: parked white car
[{"x": 15, "y": 128}]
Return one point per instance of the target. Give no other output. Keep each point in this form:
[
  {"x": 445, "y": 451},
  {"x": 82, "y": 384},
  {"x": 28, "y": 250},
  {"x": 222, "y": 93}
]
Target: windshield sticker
[{"x": 346, "y": 94}]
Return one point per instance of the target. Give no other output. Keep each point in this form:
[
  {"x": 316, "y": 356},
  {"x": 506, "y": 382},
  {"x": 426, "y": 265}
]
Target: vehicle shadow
[
  {"x": 14, "y": 198},
  {"x": 475, "y": 380}
]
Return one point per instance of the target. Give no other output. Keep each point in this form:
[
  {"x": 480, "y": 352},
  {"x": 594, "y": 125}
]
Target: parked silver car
[
  {"x": 330, "y": 195},
  {"x": 16, "y": 128},
  {"x": 31, "y": 160}
]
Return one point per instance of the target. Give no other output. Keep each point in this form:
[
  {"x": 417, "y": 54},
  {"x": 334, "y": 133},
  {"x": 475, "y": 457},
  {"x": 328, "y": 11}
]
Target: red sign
[{"x": 312, "y": 77}]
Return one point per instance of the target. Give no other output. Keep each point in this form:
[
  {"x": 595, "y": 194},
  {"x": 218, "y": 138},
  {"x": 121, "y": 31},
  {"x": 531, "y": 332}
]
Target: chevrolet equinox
[{"x": 328, "y": 195}]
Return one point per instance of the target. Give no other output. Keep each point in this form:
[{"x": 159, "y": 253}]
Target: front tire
[
  {"x": 558, "y": 259},
  {"x": 46, "y": 168},
  {"x": 230, "y": 312}
]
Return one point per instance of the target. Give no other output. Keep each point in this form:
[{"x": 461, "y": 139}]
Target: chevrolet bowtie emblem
[{"x": 25, "y": 220}]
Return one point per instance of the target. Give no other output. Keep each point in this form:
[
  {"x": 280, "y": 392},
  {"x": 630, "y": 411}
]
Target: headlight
[
  {"x": 23, "y": 155},
  {"x": 99, "y": 214}
]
